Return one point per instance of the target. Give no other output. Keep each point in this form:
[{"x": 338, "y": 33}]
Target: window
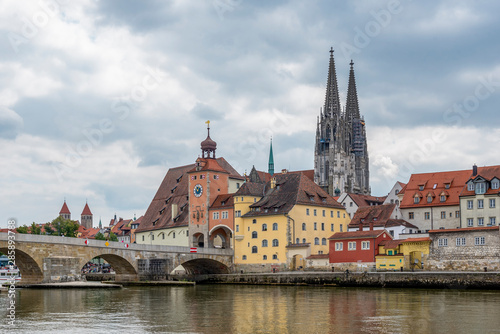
[
  {"x": 142, "y": 238},
  {"x": 460, "y": 241},
  {"x": 238, "y": 187},
  {"x": 470, "y": 222},
  {"x": 237, "y": 213},
  {"x": 365, "y": 245},
  {"x": 264, "y": 227},
  {"x": 244, "y": 257},
  {"x": 447, "y": 186},
  {"x": 331, "y": 227},
  {"x": 237, "y": 228},
  {"x": 303, "y": 240},
  {"x": 152, "y": 237},
  {"x": 389, "y": 252},
  {"x": 352, "y": 245},
  {"x": 480, "y": 203},
  {"x": 307, "y": 212},
  {"x": 254, "y": 249},
  {"x": 275, "y": 226},
  {"x": 350, "y": 204},
  {"x": 315, "y": 226},
  {"x": 297, "y": 241},
  {"x": 457, "y": 214},
  {"x": 480, "y": 221},
  {"x": 338, "y": 214},
  {"x": 254, "y": 221},
  {"x": 421, "y": 187},
  {"x": 324, "y": 213},
  {"x": 470, "y": 186},
  {"x": 254, "y": 200},
  {"x": 275, "y": 257},
  {"x": 331, "y": 214},
  {"x": 495, "y": 184},
  {"x": 443, "y": 214},
  {"x": 254, "y": 235},
  {"x": 225, "y": 214},
  {"x": 303, "y": 226},
  {"x": 339, "y": 246},
  {"x": 264, "y": 257},
  {"x": 341, "y": 227},
  {"x": 323, "y": 242},
  {"x": 442, "y": 198},
  {"x": 411, "y": 215},
  {"x": 480, "y": 188},
  {"x": 492, "y": 203},
  {"x": 315, "y": 212},
  {"x": 276, "y": 243},
  {"x": 479, "y": 241},
  {"x": 322, "y": 226},
  {"x": 316, "y": 241},
  {"x": 264, "y": 243},
  {"x": 429, "y": 199},
  {"x": 216, "y": 215},
  {"x": 416, "y": 200},
  {"x": 493, "y": 221},
  {"x": 443, "y": 242},
  {"x": 470, "y": 204},
  {"x": 427, "y": 215}
]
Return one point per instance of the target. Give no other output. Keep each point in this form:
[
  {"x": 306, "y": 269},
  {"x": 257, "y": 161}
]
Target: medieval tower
[{"x": 341, "y": 154}]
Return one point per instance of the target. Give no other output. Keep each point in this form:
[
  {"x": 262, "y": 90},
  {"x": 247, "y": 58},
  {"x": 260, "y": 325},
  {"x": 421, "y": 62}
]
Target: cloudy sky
[{"x": 99, "y": 98}]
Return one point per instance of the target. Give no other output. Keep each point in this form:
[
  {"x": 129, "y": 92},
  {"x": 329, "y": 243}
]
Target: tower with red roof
[
  {"x": 65, "y": 213},
  {"x": 87, "y": 217}
]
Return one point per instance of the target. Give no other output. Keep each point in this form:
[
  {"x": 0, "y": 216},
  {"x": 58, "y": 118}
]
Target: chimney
[
  {"x": 474, "y": 170},
  {"x": 371, "y": 225},
  {"x": 174, "y": 211},
  {"x": 361, "y": 225}
]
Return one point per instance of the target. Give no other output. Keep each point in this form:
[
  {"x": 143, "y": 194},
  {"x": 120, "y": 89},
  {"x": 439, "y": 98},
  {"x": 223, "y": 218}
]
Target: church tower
[
  {"x": 341, "y": 156},
  {"x": 270, "y": 169},
  {"x": 65, "y": 213},
  {"x": 87, "y": 217}
]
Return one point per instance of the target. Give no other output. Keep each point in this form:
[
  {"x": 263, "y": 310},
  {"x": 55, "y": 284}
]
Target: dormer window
[
  {"x": 442, "y": 198},
  {"x": 179, "y": 179},
  {"x": 447, "y": 186},
  {"x": 416, "y": 199},
  {"x": 421, "y": 187},
  {"x": 480, "y": 188},
  {"x": 470, "y": 186},
  {"x": 495, "y": 184},
  {"x": 162, "y": 210},
  {"x": 173, "y": 189},
  {"x": 429, "y": 198},
  {"x": 311, "y": 198}
]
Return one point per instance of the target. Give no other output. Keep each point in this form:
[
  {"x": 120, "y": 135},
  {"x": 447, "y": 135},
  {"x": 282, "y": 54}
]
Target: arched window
[
  {"x": 254, "y": 235},
  {"x": 275, "y": 257},
  {"x": 316, "y": 241},
  {"x": 275, "y": 243},
  {"x": 264, "y": 227},
  {"x": 244, "y": 257},
  {"x": 264, "y": 243},
  {"x": 254, "y": 221},
  {"x": 297, "y": 241},
  {"x": 254, "y": 249},
  {"x": 323, "y": 241},
  {"x": 264, "y": 257},
  {"x": 303, "y": 226},
  {"x": 304, "y": 240},
  {"x": 275, "y": 226}
]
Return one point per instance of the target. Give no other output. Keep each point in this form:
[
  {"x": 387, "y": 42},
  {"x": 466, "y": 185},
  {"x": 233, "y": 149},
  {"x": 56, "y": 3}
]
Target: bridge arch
[
  {"x": 220, "y": 235},
  {"x": 205, "y": 266},
  {"x": 124, "y": 270},
  {"x": 31, "y": 273}
]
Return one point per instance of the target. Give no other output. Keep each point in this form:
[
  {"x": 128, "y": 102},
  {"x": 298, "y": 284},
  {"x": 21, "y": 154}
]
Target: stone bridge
[{"x": 46, "y": 259}]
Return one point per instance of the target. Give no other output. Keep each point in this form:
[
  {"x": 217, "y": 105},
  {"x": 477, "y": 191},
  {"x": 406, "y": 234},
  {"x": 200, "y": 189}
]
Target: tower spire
[
  {"x": 332, "y": 101},
  {"x": 208, "y": 146},
  {"x": 351, "y": 105},
  {"x": 271, "y": 159}
]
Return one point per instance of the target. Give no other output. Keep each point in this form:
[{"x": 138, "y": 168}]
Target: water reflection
[{"x": 254, "y": 309}]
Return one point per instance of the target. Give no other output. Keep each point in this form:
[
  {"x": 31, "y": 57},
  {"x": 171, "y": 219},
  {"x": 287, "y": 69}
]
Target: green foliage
[
  {"x": 112, "y": 237},
  {"x": 36, "y": 229},
  {"x": 65, "y": 227},
  {"x": 22, "y": 229},
  {"x": 48, "y": 229},
  {"x": 100, "y": 236}
]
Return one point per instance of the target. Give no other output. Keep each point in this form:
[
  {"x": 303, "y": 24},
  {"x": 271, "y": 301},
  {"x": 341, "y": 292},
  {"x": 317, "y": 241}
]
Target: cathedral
[{"x": 341, "y": 154}]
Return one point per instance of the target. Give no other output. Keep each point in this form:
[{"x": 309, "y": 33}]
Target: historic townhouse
[
  {"x": 279, "y": 224},
  {"x": 479, "y": 199},
  {"x": 432, "y": 200},
  {"x": 352, "y": 202}
]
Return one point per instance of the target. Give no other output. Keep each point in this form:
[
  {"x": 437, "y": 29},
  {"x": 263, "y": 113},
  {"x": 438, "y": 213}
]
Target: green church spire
[{"x": 271, "y": 159}]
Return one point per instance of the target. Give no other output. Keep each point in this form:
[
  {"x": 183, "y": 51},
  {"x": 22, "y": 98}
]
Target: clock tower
[{"x": 207, "y": 180}]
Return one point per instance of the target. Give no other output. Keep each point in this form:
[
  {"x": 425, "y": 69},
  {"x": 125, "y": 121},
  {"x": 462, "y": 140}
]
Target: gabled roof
[
  {"x": 251, "y": 189},
  {"x": 172, "y": 190},
  {"x": 379, "y": 215},
  {"x": 434, "y": 182},
  {"x": 86, "y": 210},
  {"x": 366, "y": 200},
  {"x": 223, "y": 201},
  {"x": 207, "y": 164},
  {"x": 391, "y": 244},
  {"x": 465, "y": 229},
  {"x": 487, "y": 173},
  {"x": 358, "y": 234},
  {"x": 64, "y": 209},
  {"x": 228, "y": 168},
  {"x": 309, "y": 173},
  {"x": 291, "y": 189}
]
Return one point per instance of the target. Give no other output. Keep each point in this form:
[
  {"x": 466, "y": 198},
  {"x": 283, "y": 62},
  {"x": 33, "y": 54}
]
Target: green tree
[
  {"x": 112, "y": 237},
  {"x": 100, "y": 236},
  {"x": 48, "y": 229},
  {"x": 22, "y": 229},
  {"x": 65, "y": 227},
  {"x": 36, "y": 229}
]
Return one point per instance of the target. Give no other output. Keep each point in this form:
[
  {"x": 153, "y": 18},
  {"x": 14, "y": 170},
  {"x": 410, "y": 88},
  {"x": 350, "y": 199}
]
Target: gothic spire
[
  {"x": 332, "y": 101},
  {"x": 351, "y": 105},
  {"x": 271, "y": 159}
]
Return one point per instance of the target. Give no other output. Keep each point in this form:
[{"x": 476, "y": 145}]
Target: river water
[{"x": 253, "y": 309}]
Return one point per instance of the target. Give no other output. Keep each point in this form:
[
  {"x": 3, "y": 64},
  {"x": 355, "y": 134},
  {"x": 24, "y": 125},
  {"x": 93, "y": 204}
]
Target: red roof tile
[
  {"x": 391, "y": 244},
  {"x": 416, "y": 239},
  {"x": 86, "y": 210},
  {"x": 317, "y": 256},
  {"x": 488, "y": 173},
  {"x": 379, "y": 215},
  {"x": 465, "y": 229},
  {"x": 64, "y": 209},
  {"x": 223, "y": 201},
  {"x": 358, "y": 234}
]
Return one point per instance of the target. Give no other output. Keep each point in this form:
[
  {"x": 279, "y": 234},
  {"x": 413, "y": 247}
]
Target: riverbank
[
  {"x": 71, "y": 285},
  {"x": 441, "y": 280}
]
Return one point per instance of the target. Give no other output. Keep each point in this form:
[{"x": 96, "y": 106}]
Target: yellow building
[
  {"x": 280, "y": 223},
  {"x": 409, "y": 254}
]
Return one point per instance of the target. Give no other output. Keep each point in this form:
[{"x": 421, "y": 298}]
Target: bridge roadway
[{"x": 49, "y": 259}]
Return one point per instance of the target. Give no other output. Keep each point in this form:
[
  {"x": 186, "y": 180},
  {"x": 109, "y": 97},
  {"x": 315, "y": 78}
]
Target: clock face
[{"x": 198, "y": 190}]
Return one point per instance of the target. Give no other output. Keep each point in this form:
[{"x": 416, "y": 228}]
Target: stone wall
[
  {"x": 353, "y": 266},
  {"x": 468, "y": 257}
]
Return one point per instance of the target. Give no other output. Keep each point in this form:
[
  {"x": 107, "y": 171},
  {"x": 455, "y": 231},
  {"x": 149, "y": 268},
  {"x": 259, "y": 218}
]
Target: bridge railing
[{"x": 50, "y": 239}]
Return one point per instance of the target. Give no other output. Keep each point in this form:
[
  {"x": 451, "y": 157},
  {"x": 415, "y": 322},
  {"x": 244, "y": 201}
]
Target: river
[{"x": 253, "y": 309}]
